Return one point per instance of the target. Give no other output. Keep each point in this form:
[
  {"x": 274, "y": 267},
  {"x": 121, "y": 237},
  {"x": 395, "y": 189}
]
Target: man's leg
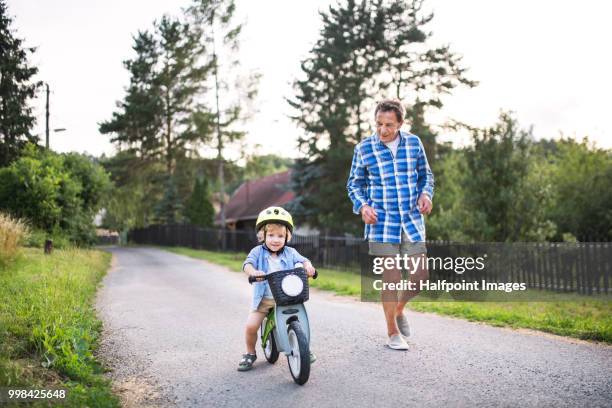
[
  {"x": 421, "y": 273},
  {"x": 389, "y": 297},
  {"x": 390, "y": 300}
]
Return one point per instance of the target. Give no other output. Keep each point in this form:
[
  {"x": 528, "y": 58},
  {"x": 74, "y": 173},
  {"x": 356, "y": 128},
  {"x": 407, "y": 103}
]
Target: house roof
[{"x": 255, "y": 195}]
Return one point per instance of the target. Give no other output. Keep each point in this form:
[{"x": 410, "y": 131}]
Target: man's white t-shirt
[{"x": 393, "y": 145}]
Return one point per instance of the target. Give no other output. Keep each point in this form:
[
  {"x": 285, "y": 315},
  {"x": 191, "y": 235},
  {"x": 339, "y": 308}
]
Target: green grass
[
  {"x": 48, "y": 327},
  {"x": 583, "y": 317}
]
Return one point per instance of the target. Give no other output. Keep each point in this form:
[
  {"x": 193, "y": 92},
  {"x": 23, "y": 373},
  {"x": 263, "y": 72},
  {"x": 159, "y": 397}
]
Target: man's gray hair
[{"x": 391, "y": 105}]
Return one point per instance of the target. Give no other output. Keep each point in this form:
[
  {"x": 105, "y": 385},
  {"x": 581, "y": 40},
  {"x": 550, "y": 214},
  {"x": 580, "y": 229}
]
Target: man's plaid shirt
[{"x": 391, "y": 186}]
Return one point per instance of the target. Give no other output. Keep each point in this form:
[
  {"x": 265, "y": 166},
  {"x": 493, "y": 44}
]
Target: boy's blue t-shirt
[{"x": 258, "y": 257}]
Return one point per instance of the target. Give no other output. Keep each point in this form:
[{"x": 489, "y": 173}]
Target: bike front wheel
[{"x": 299, "y": 357}]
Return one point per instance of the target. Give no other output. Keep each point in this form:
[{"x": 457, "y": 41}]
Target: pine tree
[
  {"x": 160, "y": 116},
  {"x": 16, "y": 89},
  {"x": 213, "y": 21},
  {"x": 137, "y": 123},
  {"x": 419, "y": 74},
  {"x": 367, "y": 50},
  {"x": 169, "y": 209},
  {"x": 330, "y": 101},
  {"x": 199, "y": 210}
]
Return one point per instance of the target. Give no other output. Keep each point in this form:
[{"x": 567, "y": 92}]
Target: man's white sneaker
[
  {"x": 402, "y": 324},
  {"x": 397, "y": 342}
]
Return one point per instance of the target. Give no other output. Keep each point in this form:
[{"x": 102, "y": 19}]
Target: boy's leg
[{"x": 252, "y": 325}]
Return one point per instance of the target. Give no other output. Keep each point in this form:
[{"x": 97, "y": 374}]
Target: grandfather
[{"x": 391, "y": 186}]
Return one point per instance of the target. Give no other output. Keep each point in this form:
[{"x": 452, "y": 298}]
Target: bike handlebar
[{"x": 264, "y": 277}]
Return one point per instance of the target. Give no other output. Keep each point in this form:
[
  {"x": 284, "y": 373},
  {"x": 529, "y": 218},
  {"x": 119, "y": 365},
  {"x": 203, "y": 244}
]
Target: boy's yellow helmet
[{"x": 274, "y": 215}]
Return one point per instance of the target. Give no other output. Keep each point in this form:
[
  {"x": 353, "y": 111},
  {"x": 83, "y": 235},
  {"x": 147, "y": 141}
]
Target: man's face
[{"x": 387, "y": 126}]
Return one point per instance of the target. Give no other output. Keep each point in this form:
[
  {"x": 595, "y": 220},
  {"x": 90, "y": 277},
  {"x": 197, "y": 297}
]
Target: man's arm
[
  {"x": 425, "y": 178},
  {"x": 356, "y": 184}
]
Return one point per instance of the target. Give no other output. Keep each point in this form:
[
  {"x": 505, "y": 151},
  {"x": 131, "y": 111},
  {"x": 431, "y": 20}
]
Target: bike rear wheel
[
  {"x": 269, "y": 346},
  {"x": 299, "y": 357}
]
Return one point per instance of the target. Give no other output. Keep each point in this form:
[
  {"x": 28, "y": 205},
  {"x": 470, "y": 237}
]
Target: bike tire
[
  {"x": 271, "y": 354},
  {"x": 299, "y": 366}
]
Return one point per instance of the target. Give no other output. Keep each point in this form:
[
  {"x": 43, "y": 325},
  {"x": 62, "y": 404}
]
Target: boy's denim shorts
[
  {"x": 405, "y": 248},
  {"x": 265, "y": 305}
]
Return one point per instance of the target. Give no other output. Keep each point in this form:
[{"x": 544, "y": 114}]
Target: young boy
[{"x": 273, "y": 255}]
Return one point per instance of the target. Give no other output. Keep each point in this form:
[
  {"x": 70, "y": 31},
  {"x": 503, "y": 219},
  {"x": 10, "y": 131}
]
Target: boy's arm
[
  {"x": 248, "y": 266},
  {"x": 310, "y": 270},
  {"x": 251, "y": 271}
]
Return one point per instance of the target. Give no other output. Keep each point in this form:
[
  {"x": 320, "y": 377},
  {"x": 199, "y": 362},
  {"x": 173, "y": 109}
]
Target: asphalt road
[{"x": 173, "y": 336}]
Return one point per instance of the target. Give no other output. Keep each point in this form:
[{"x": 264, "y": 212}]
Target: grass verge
[
  {"x": 583, "y": 317},
  {"x": 48, "y": 326}
]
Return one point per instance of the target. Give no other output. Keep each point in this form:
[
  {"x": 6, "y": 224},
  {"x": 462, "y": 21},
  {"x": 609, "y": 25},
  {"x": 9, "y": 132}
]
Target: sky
[{"x": 544, "y": 60}]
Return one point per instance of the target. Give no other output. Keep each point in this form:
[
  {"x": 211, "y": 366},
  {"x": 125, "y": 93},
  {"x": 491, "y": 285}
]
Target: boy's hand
[
  {"x": 310, "y": 270},
  {"x": 257, "y": 273}
]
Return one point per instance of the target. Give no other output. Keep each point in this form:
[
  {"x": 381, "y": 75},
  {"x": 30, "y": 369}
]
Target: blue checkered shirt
[{"x": 392, "y": 186}]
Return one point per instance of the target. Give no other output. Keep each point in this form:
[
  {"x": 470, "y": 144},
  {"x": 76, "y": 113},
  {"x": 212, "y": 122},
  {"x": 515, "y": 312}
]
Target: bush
[
  {"x": 12, "y": 233},
  {"x": 36, "y": 239},
  {"x": 59, "y": 194}
]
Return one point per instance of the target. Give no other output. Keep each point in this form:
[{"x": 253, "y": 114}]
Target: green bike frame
[{"x": 270, "y": 325}]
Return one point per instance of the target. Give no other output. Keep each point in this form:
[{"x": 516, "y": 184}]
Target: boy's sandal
[{"x": 247, "y": 362}]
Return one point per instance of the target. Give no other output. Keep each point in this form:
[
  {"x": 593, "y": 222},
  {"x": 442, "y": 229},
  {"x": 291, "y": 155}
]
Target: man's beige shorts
[
  {"x": 405, "y": 248},
  {"x": 265, "y": 305}
]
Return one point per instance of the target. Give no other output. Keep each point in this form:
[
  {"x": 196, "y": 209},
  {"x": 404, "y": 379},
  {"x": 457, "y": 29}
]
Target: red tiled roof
[{"x": 255, "y": 195}]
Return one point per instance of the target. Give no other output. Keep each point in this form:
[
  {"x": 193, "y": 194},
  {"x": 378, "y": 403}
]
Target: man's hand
[
  {"x": 368, "y": 214},
  {"x": 310, "y": 270},
  {"x": 424, "y": 203}
]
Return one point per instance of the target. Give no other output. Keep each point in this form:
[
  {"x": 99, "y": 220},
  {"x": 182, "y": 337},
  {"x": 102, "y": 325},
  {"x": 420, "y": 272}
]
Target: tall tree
[
  {"x": 199, "y": 210},
  {"x": 17, "y": 87},
  {"x": 136, "y": 125},
  {"x": 416, "y": 74},
  {"x": 161, "y": 115},
  {"x": 349, "y": 68},
  {"x": 170, "y": 209},
  {"x": 213, "y": 21},
  {"x": 502, "y": 187}
]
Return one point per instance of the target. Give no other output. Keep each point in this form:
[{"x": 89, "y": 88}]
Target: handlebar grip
[
  {"x": 315, "y": 275},
  {"x": 254, "y": 278}
]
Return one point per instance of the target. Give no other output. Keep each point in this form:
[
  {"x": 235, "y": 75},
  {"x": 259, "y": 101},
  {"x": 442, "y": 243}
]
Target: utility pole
[{"x": 47, "y": 117}]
